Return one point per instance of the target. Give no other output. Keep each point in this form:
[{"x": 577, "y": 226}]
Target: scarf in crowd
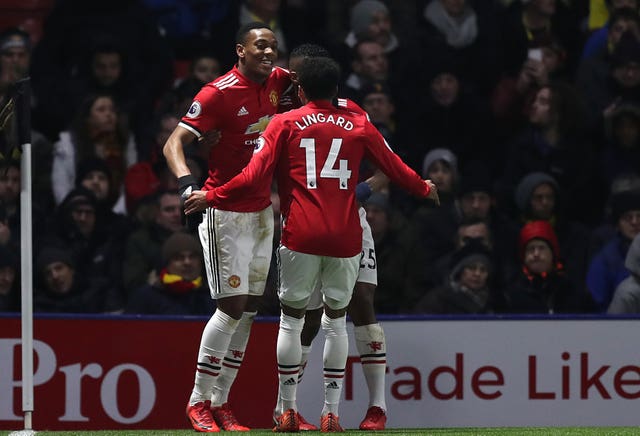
[
  {"x": 477, "y": 299},
  {"x": 178, "y": 284},
  {"x": 459, "y": 31}
]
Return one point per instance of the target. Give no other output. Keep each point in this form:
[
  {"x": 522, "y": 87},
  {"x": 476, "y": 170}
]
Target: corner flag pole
[{"x": 23, "y": 115}]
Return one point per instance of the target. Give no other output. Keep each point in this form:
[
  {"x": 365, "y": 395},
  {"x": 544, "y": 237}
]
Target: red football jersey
[
  {"x": 315, "y": 152},
  {"x": 241, "y": 110}
]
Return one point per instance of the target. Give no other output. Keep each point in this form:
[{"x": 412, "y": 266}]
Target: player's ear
[
  {"x": 301, "y": 95},
  {"x": 240, "y": 50}
]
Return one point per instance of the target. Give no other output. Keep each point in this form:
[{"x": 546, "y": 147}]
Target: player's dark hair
[
  {"x": 243, "y": 31},
  {"x": 309, "y": 51},
  {"x": 319, "y": 78}
]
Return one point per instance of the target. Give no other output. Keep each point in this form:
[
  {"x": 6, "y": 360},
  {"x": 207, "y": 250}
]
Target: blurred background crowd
[{"x": 526, "y": 114}]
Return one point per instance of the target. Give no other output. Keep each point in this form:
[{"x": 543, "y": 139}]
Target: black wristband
[
  {"x": 186, "y": 181},
  {"x": 186, "y": 184}
]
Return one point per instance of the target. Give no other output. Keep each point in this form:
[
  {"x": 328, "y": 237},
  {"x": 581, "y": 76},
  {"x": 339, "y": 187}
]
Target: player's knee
[
  {"x": 363, "y": 294},
  {"x": 334, "y": 326},
  {"x": 234, "y": 306},
  {"x": 311, "y": 326},
  {"x": 361, "y": 308},
  {"x": 370, "y": 332},
  {"x": 334, "y": 313}
]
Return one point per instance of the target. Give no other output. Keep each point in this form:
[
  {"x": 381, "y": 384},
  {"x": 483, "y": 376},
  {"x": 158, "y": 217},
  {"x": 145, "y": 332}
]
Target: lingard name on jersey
[{"x": 315, "y": 118}]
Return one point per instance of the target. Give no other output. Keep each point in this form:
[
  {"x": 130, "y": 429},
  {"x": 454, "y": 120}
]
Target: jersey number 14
[{"x": 329, "y": 170}]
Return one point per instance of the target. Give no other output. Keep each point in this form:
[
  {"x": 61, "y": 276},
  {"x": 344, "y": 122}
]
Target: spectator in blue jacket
[{"x": 607, "y": 269}]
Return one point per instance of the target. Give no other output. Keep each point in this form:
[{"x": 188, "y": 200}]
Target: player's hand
[
  {"x": 378, "y": 181},
  {"x": 197, "y": 202},
  {"x": 433, "y": 192}
]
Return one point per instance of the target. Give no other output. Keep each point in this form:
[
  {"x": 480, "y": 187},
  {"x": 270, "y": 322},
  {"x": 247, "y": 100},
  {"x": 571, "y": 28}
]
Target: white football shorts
[
  {"x": 301, "y": 272},
  {"x": 237, "y": 249},
  {"x": 368, "y": 272}
]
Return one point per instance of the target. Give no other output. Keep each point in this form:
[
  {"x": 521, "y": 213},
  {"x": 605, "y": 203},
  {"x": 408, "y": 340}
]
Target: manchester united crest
[
  {"x": 273, "y": 98},
  {"x": 234, "y": 281}
]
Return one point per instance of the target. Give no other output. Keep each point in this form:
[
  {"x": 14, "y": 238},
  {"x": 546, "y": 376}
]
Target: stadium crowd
[{"x": 525, "y": 113}]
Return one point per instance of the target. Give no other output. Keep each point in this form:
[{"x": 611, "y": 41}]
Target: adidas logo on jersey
[
  {"x": 290, "y": 382},
  {"x": 243, "y": 111},
  {"x": 333, "y": 385}
]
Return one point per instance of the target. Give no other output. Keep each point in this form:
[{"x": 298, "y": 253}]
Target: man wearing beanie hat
[
  {"x": 468, "y": 289},
  {"x": 606, "y": 270},
  {"x": 441, "y": 166},
  {"x": 536, "y": 195},
  {"x": 541, "y": 285},
  {"x": 61, "y": 288},
  {"x": 53, "y": 254},
  {"x": 370, "y": 19},
  {"x": 440, "y": 154},
  {"x": 539, "y": 230},
  {"x": 178, "y": 288}
]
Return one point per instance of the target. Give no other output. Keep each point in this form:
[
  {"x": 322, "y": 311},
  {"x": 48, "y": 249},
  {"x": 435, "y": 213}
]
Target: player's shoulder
[
  {"x": 280, "y": 72},
  {"x": 281, "y": 78},
  {"x": 225, "y": 82},
  {"x": 348, "y": 105}
]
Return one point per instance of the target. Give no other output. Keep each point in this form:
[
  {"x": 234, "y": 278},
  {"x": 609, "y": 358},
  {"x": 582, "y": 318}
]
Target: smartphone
[{"x": 535, "y": 54}]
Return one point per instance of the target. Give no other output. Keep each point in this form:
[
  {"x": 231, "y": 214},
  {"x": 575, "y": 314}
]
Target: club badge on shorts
[{"x": 234, "y": 281}]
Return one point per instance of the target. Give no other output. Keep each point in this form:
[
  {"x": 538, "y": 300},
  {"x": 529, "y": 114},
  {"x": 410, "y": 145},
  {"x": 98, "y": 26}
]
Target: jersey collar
[
  {"x": 245, "y": 80},
  {"x": 320, "y": 104}
]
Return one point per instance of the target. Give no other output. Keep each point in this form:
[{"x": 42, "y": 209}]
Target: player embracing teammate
[
  {"x": 237, "y": 231},
  {"x": 315, "y": 154}
]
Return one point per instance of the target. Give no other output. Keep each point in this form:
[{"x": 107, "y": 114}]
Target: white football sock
[
  {"x": 372, "y": 348},
  {"x": 303, "y": 363},
  {"x": 232, "y": 359},
  {"x": 289, "y": 353},
  {"x": 213, "y": 346},
  {"x": 336, "y": 349}
]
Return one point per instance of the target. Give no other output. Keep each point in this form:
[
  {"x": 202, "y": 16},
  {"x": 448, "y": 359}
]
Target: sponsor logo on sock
[
  {"x": 213, "y": 359},
  {"x": 289, "y": 382},
  {"x": 237, "y": 354},
  {"x": 333, "y": 385},
  {"x": 243, "y": 111}
]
